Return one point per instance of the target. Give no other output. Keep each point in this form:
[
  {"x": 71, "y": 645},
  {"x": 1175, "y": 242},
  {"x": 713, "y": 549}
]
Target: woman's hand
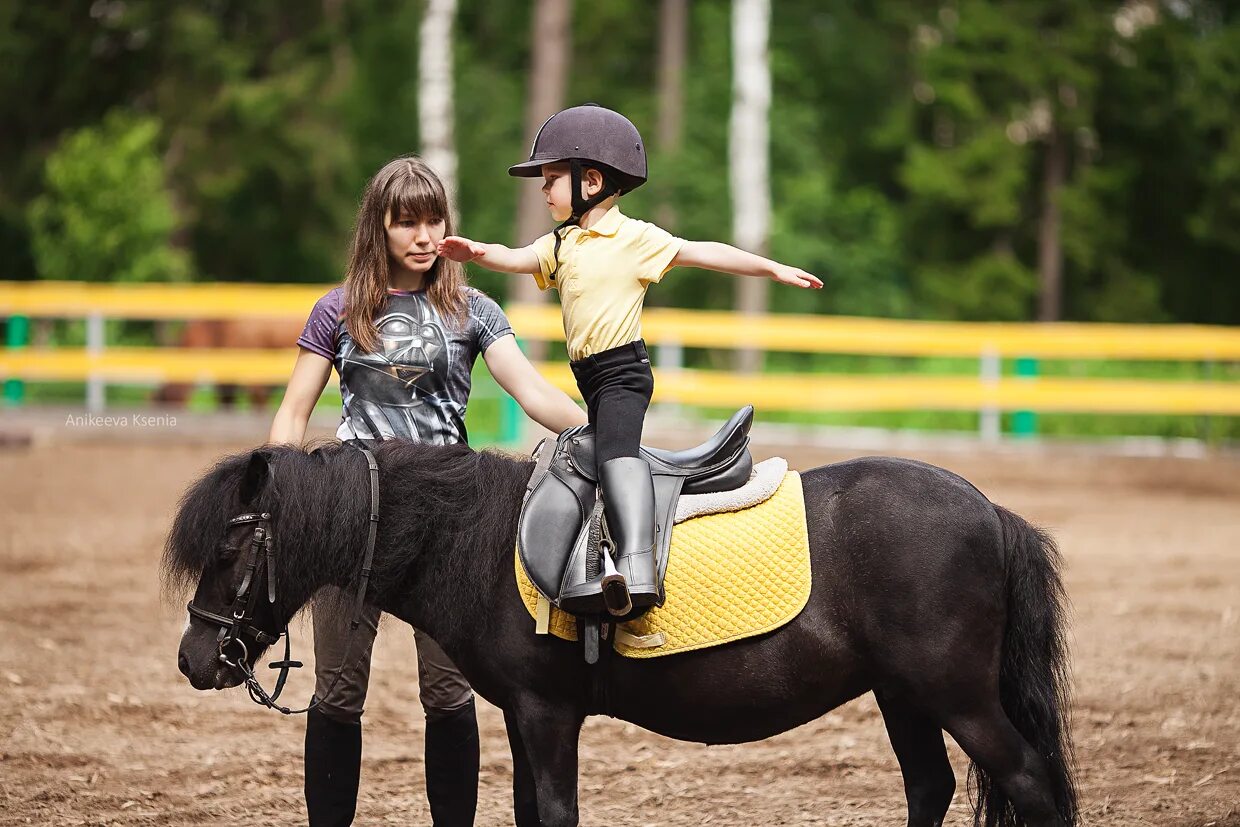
[
  {"x": 795, "y": 277},
  {"x": 460, "y": 249}
]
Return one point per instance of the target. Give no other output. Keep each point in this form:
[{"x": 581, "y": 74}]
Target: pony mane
[
  {"x": 296, "y": 489},
  {"x": 448, "y": 513},
  {"x": 456, "y": 521}
]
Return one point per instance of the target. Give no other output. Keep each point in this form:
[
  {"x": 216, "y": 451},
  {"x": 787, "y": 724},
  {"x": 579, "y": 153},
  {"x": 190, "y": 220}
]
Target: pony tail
[{"x": 1034, "y": 673}]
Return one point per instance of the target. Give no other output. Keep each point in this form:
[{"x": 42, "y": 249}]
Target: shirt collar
[{"x": 609, "y": 224}]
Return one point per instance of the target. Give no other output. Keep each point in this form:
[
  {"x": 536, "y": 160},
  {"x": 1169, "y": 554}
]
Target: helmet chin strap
[{"x": 581, "y": 206}]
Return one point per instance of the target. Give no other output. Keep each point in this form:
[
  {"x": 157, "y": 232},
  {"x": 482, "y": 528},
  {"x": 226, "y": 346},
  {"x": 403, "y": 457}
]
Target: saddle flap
[{"x": 555, "y": 510}]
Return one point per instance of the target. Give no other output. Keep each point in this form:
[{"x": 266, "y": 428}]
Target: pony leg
[
  {"x": 991, "y": 741},
  {"x": 524, "y": 796},
  {"x": 918, "y": 744},
  {"x": 550, "y": 734}
]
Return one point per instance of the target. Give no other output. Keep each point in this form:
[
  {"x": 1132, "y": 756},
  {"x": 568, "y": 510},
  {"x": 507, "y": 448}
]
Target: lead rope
[{"x": 257, "y": 693}]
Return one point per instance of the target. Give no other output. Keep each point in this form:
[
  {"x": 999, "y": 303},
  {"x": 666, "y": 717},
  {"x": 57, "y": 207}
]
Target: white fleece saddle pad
[{"x": 764, "y": 480}]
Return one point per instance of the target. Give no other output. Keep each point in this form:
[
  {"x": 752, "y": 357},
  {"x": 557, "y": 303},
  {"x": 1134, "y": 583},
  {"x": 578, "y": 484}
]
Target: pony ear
[{"x": 257, "y": 472}]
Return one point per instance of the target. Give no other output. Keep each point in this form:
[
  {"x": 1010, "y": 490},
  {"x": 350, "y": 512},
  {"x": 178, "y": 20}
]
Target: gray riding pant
[{"x": 441, "y": 687}]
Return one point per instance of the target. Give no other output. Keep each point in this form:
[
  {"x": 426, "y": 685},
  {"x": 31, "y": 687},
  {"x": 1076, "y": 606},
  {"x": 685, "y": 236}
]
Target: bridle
[{"x": 240, "y": 621}]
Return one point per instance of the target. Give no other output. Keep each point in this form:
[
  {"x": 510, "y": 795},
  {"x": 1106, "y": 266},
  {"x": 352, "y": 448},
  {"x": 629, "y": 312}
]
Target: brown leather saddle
[{"x": 559, "y": 529}]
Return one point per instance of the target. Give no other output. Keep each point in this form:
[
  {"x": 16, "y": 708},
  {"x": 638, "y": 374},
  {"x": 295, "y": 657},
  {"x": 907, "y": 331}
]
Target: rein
[{"x": 261, "y": 555}]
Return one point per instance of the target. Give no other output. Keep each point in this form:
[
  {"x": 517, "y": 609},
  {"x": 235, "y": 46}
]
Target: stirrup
[{"x": 615, "y": 591}]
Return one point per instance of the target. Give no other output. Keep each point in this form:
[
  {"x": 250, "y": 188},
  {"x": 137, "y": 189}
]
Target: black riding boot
[
  {"x": 452, "y": 767},
  {"x": 333, "y": 769},
  {"x": 628, "y": 502}
]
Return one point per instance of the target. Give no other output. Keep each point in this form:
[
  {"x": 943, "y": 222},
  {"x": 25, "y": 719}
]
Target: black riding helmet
[{"x": 588, "y": 136}]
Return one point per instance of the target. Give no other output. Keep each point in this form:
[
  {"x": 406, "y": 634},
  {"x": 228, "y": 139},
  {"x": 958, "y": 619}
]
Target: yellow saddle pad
[{"x": 729, "y": 576}]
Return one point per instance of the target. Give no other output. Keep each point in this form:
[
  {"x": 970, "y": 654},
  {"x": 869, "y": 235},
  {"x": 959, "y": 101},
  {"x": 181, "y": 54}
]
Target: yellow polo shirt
[{"x": 603, "y": 276}]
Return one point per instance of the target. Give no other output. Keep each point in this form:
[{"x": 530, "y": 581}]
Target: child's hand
[
  {"x": 460, "y": 249},
  {"x": 796, "y": 277}
]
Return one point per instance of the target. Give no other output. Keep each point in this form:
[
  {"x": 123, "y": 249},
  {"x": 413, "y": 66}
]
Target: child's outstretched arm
[
  {"x": 491, "y": 256},
  {"x": 713, "y": 255}
]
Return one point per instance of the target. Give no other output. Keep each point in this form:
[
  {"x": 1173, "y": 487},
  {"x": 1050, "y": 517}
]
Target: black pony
[{"x": 948, "y": 608}]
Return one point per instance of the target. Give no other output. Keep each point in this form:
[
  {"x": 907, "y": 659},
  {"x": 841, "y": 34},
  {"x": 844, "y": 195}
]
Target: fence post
[
  {"x": 1205, "y": 430},
  {"x": 670, "y": 358},
  {"x": 1025, "y": 423},
  {"x": 990, "y": 423},
  {"x": 16, "y": 335},
  {"x": 96, "y": 389},
  {"x": 511, "y": 417}
]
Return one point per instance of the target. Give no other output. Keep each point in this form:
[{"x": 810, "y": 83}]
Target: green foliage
[
  {"x": 105, "y": 214},
  {"x": 992, "y": 286},
  {"x": 908, "y": 140}
]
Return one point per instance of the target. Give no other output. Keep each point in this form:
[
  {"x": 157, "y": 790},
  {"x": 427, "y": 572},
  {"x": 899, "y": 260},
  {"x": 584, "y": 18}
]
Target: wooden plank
[
  {"x": 689, "y": 328},
  {"x": 158, "y": 301},
  {"x": 813, "y": 392}
]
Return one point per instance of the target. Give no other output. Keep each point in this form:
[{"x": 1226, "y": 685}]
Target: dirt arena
[{"x": 98, "y": 727}]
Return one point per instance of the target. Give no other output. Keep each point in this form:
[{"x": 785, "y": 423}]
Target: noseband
[{"x": 261, "y": 556}]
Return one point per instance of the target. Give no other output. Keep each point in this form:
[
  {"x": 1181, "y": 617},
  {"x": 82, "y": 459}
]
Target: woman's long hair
[{"x": 405, "y": 186}]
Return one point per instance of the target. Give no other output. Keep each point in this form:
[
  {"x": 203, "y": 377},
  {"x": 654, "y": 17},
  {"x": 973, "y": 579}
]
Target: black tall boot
[
  {"x": 333, "y": 769},
  {"x": 628, "y": 502},
  {"x": 452, "y": 767}
]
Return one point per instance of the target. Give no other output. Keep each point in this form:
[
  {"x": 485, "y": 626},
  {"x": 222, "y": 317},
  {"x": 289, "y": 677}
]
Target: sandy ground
[{"x": 98, "y": 727}]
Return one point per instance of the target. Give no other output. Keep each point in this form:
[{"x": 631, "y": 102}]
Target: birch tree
[
  {"x": 435, "y": 92},
  {"x": 748, "y": 151}
]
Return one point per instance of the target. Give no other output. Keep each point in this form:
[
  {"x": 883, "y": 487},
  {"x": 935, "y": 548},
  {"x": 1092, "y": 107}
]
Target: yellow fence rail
[
  {"x": 669, "y": 332},
  {"x": 687, "y": 328},
  {"x": 813, "y": 392}
]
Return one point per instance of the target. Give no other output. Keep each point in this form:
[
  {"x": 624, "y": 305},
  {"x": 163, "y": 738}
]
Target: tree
[
  {"x": 105, "y": 214},
  {"x": 551, "y": 41},
  {"x": 749, "y": 148},
  {"x": 435, "y": 90},
  {"x": 1007, "y": 94},
  {"x": 673, "y": 48}
]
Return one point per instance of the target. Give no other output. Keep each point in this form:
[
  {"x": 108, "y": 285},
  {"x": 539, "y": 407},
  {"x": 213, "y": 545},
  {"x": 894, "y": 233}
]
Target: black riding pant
[{"x": 616, "y": 385}]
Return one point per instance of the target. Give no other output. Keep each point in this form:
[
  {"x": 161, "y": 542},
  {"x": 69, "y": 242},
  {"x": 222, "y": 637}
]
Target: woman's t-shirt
[{"x": 415, "y": 385}]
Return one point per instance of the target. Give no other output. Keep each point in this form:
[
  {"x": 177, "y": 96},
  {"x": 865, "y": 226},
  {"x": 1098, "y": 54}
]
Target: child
[{"x": 602, "y": 262}]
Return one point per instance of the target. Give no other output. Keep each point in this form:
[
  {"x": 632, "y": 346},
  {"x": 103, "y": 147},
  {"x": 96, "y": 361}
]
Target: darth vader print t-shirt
[{"x": 415, "y": 384}]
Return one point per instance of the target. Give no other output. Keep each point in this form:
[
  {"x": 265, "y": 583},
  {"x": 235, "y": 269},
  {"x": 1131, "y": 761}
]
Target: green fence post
[
  {"x": 17, "y": 335},
  {"x": 511, "y": 417},
  {"x": 1025, "y": 423}
]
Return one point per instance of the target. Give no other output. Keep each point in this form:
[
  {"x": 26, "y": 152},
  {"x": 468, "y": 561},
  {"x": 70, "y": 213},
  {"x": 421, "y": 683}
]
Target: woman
[{"x": 403, "y": 332}]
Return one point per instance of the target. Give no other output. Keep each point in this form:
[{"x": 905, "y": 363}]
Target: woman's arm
[
  {"x": 713, "y": 255},
  {"x": 542, "y": 401},
  {"x": 491, "y": 256},
  {"x": 310, "y": 374}
]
